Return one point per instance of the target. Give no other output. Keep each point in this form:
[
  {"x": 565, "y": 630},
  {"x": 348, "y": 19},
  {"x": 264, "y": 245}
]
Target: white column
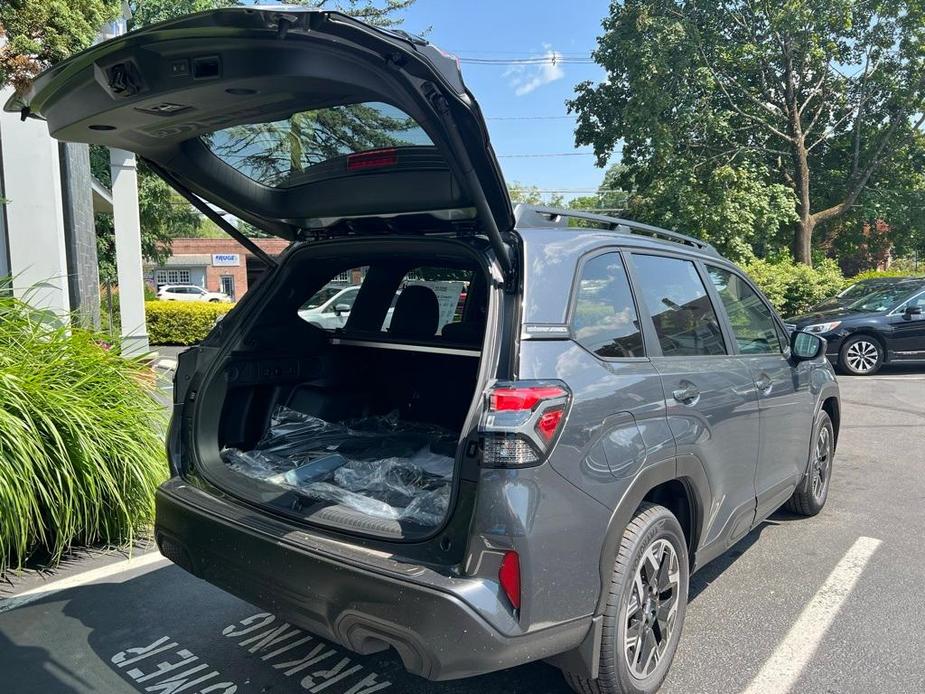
[
  {"x": 128, "y": 251},
  {"x": 34, "y": 211}
]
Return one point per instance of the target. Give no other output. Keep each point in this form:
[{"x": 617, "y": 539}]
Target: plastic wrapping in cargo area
[{"x": 351, "y": 398}]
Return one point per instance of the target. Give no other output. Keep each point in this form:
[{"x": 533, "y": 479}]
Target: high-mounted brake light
[
  {"x": 509, "y": 577},
  {"x": 372, "y": 159},
  {"x": 521, "y": 422}
]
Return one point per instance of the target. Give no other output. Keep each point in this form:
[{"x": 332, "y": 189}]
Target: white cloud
[{"x": 525, "y": 78}]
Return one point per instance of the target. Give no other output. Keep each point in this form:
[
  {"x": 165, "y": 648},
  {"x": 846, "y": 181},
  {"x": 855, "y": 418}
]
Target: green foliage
[
  {"x": 734, "y": 208},
  {"x": 531, "y": 195},
  {"x": 163, "y": 214},
  {"x": 181, "y": 323},
  {"x": 81, "y": 438},
  {"x": 874, "y": 274},
  {"x": 822, "y": 98},
  {"x": 42, "y": 32},
  {"x": 794, "y": 287}
]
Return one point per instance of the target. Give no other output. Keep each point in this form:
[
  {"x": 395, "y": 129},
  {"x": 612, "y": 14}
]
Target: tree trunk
[{"x": 802, "y": 241}]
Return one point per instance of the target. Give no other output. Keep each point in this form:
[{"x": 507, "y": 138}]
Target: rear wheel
[
  {"x": 645, "y": 607},
  {"x": 812, "y": 492},
  {"x": 861, "y": 355}
]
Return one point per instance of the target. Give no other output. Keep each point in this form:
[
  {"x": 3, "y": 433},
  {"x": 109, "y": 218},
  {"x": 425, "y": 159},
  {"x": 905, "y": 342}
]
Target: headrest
[{"x": 416, "y": 313}]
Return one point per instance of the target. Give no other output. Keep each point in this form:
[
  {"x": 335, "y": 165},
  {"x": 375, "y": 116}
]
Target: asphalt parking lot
[{"x": 831, "y": 604}]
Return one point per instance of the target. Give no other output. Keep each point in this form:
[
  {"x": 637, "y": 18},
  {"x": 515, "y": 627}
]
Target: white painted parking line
[
  {"x": 150, "y": 559},
  {"x": 781, "y": 671}
]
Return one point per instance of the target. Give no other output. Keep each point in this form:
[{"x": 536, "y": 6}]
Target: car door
[
  {"x": 710, "y": 392},
  {"x": 908, "y": 329},
  {"x": 785, "y": 401}
]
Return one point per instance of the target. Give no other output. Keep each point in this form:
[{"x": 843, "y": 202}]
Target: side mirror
[
  {"x": 912, "y": 311},
  {"x": 806, "y": 346},
  {"x": 341, "y": 308}
]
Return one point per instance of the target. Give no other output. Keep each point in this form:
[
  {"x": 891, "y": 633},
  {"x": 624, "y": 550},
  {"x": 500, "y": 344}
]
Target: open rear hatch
[
  {"x": 292, "y": 120},
  {"x": 312, "y": 125}
]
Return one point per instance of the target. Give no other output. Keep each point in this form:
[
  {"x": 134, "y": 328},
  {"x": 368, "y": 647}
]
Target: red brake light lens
[
  {"x": 372, "y": 159},
  {"x": 548, "y": 423},
  {"x": 508, "y": 399},
  {"x": 509, "y": 577}
]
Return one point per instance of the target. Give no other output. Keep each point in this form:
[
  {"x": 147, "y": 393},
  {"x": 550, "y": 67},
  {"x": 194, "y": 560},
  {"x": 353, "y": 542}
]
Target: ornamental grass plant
[{"x": 81, "y": 438}]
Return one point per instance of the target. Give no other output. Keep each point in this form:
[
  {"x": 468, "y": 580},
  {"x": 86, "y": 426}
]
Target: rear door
[
  {"x": 290, "y": 119},
  {"x": 909, "y": 329},
  {"x": 785, "y": 401},
  {"x": 711, "y": 395}
]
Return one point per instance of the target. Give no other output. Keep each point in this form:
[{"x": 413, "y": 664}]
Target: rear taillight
[
  {"x": 509, "y": 577},
  {"x": 521, "y": 422},
  {"x": 372, "y": 159}
]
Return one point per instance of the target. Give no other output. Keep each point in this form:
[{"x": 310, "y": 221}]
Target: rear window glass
[
  {"x": 449, "y": 285},
  {"x": 279, "y": 153},
  {"x": 330, "y": 306}
]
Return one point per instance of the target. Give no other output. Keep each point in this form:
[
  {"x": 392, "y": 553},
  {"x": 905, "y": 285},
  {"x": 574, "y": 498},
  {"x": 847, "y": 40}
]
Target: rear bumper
[{"x": 429, "y": 619}]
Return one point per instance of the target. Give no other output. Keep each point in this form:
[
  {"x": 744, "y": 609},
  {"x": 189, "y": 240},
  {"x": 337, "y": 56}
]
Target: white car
[
  {"x": 330, "y": 307},
  {"x": 189, "y": 292}
]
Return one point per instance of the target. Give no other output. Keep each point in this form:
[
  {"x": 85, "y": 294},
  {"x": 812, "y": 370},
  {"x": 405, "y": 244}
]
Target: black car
[
  {"x": 883, "y": 326},
  {"x": 856, "y": 291}
]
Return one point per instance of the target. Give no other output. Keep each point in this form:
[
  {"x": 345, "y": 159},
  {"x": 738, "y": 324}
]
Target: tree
[
  {"x": 532, "y": 195},
  {"x": 40, "y": 33},
  {"x": 163, "y": 215},
  {"x": 819, "y": 97}
]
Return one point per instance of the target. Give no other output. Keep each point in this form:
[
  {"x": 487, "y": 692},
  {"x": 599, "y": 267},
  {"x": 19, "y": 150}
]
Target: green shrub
[
  {"x": 81, "y": 438},
  {"x": 871, "y": 274},
  {"x": 181, "y": 323},
  {"x": 793, "y": 287}
]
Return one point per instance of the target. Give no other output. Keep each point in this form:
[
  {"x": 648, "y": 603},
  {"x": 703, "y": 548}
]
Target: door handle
[
  {"x": 763, "y": 383},
  {"x": 687, "y": 394}
]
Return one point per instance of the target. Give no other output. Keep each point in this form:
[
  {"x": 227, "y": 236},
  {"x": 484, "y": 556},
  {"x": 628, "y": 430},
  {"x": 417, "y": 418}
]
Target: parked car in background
[
  {"x": 329, "y": 307},
  {"x": 855, "y": 291},
  {"x": 884, "y": 324},
  {"x": 531, "y": 475},
  {"x": 189, "y": 292}
]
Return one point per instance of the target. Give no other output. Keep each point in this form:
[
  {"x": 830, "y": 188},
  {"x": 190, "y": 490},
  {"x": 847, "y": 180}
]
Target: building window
[{"x": 172, "y": 277}]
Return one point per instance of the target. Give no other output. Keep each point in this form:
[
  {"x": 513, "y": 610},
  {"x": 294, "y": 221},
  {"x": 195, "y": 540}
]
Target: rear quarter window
[{"x": 604, "y": 320}]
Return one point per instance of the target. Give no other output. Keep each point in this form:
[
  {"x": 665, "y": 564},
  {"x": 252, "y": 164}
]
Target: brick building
[{"x": 217, "y": 265}]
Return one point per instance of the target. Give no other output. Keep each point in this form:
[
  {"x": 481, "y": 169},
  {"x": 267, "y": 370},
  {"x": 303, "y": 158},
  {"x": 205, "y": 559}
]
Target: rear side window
[
  {"x": 330, "y": 306},
  {"x": 449, "y": 285},
  {"x": 605, "y": 320},
  {"x": 685, "y": 321},
  {"x": 753, "y": 325}
]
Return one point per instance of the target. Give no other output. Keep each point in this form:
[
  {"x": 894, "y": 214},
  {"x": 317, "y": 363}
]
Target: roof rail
[{"x": 527, "y": 216}]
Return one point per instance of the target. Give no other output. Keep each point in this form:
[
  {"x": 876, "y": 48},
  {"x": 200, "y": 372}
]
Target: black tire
[
  {"x": 213, "y": 301},
  {"x": 811, "y": 494},
  {"x": 651, "y": 527},
  {"x": 860, "y": 355}
]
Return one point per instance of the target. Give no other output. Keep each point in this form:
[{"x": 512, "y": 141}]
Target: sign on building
[{"x": 226, "y": 259}]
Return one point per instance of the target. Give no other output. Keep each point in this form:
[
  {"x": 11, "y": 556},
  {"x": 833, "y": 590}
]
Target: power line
[
  {"x": 546, "y": 154},
  {"x": 571, "y": 116}
]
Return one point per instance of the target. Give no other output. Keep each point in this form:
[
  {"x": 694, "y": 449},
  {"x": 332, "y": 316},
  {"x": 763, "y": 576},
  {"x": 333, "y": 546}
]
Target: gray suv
[{"x": 563, "y": 416}]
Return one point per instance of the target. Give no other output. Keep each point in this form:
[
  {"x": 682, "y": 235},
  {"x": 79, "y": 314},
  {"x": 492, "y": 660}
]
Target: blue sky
[{"x": 518, "y": 100}]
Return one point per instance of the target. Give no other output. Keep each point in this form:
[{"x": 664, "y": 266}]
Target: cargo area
[{"x": 349, "y": 403}]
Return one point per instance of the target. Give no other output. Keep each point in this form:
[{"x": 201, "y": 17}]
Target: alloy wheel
[
  {"x": 651, "y": 608},
  {"x": 822, "y": 462},
  {"x": 862, "y": 356}
]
